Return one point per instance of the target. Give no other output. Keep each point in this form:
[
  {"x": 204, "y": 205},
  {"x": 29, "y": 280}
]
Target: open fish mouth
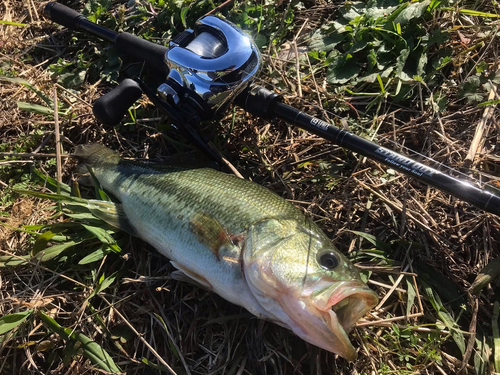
[
  {"x": 326, "y": 317},
  {"x": 351, "y": 304},
  {"x": 333, "y": 313}
]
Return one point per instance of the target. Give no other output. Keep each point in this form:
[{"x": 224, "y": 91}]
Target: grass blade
[
  {"x": 155, "y": 366},
  {"x": 96, "y": 353},
  {"x": 10, "y": 23},
  {"x": 184, "y": 12},
  {"x": 54, "y": 197},
  {"x": 54, "y": 251},
  {"x": 103, "y": 236},
  {"x": 11, "y": 261},
  {"x": 172, "y": 345},
  {"x": 373, "y": 240},
  {"x": 477, "y": 13},
  {"x": 43, "y": 256},
  {"x": 411, "y": 294},
  {"x": 27, "y": 84},
  {"x": 104, "y": 282},
  {"x": 486, "y": 275},
  {"x": 11, "y": 321},
  {"x": 42, "y": 241},
  {"x": 96, "y": 255},
  {"x": 445, "y": 317},
  {"x": 52, "y": 183},
  {"x": 91, "y": 350},
  {"x": 35, "y": 108}
]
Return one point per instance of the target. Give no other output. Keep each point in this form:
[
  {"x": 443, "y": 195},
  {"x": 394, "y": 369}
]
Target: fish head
[{"x": 304, "y": 283}]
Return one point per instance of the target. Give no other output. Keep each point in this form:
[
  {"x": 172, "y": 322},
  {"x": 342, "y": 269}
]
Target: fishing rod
[{"x": 214, "y": 65}]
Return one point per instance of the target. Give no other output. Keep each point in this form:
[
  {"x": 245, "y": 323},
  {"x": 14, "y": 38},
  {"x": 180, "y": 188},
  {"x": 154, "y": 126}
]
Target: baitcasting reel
[
  {"x": 209, "y": 66},
  {"x": 205, "y": 68}
]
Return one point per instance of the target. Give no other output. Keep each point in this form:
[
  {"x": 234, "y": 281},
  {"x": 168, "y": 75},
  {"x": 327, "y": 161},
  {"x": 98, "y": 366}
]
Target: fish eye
[{"x": 327, "y": 260}]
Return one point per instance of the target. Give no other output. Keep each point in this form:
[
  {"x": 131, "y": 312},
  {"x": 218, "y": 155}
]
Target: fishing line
[{"x": 309, "y": 248}]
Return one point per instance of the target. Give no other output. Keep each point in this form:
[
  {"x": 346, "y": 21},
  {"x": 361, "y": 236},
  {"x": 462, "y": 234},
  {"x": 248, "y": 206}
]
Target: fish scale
[
  {"x": 239, "y": 240},
  {"x": 203, "y": 189}
]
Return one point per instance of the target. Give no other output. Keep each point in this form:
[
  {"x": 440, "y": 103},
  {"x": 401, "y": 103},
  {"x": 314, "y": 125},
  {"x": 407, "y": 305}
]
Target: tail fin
[{"x": 95, "y": 154}]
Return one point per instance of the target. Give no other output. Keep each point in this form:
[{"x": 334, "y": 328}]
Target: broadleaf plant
[{"x": 379, "y": 38}]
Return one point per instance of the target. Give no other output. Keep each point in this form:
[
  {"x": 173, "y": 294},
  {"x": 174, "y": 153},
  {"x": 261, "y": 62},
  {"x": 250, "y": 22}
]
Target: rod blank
[
  {"x": 461, "y": 189},
  {"x": 264, "y": 103}
]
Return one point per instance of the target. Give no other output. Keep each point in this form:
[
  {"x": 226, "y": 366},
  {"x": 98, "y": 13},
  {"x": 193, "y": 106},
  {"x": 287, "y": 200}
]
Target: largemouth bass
[{"x": 239, "y": 240}]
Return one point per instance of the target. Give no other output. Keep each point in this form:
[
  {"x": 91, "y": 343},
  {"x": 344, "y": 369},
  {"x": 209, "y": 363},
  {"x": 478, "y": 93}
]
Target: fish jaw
[
  {"x": 322, "y": 318},
  {"x": 326, "y": 318}
]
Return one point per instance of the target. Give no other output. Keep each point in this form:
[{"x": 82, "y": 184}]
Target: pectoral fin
[
  {"x": 210, "y": 232},
  {"x": 187, "y": 275},
  {"x": 112, "y": 213}
]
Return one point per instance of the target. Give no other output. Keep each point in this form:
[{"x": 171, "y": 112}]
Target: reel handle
[
  {"x": 139, "y": 49},
  {"x": 110, "y": 108}
]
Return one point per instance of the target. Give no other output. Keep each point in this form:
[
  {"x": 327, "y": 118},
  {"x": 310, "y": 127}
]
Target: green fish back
[{"x": 234, "y": 202}]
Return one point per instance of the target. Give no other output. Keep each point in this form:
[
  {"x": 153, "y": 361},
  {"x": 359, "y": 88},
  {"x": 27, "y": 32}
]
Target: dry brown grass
[{"x": 145, "y": 314}]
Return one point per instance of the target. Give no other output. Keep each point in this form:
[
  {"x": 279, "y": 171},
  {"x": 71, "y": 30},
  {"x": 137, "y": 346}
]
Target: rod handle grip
[
  {"x": 63, "y": 15},
  {"x": 110, "y": 108},
  {"x": 141, "y": 49}
]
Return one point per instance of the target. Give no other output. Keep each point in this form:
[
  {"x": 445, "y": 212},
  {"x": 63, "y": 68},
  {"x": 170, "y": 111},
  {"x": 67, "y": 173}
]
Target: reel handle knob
[{"x": 110, "y": 108}]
